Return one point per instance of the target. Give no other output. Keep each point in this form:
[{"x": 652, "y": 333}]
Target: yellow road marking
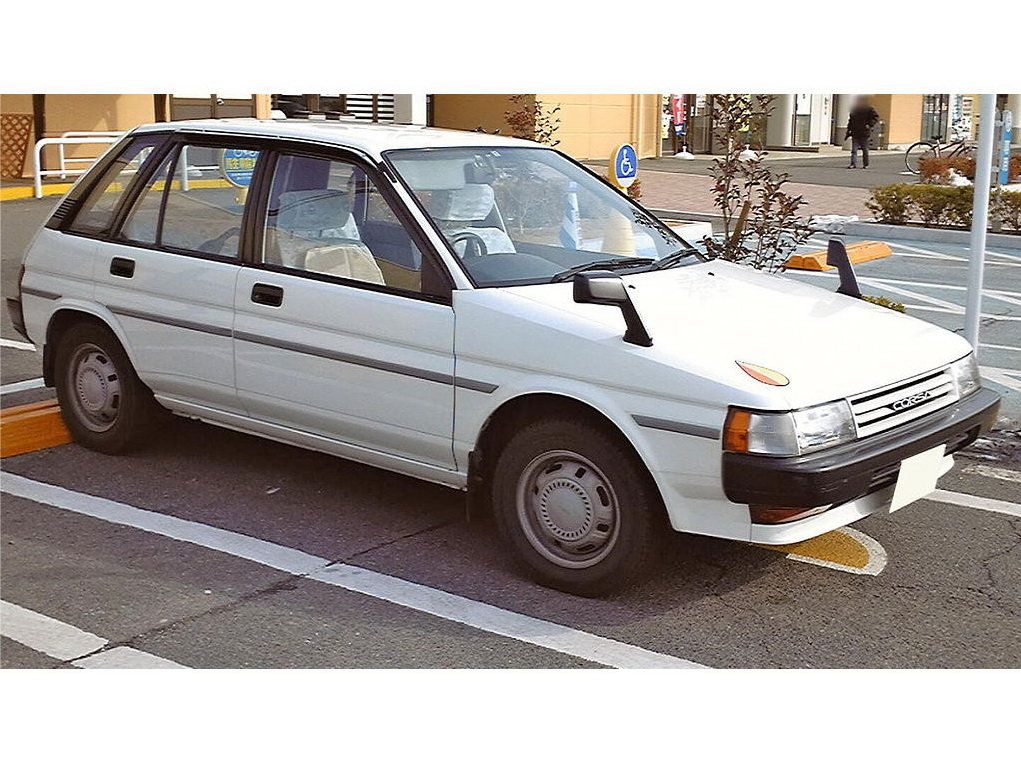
[
  {"x": 26, "y": 192},
  {"x": 846, "y": 550}
]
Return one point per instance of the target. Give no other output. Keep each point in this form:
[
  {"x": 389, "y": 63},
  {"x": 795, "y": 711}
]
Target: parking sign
[{"x": 624, "y": 165}]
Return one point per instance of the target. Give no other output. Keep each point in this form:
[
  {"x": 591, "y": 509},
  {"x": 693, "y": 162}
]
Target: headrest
[
  {"x": 472, "y": 202},
  {"x": 313, "y": 210}
]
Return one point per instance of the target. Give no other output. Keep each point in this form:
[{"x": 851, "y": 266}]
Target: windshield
[{"x": 529, "y": 215}]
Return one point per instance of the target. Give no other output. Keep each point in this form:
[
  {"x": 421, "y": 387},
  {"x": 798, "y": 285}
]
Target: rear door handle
[
  {"x": 268, "y": 295},
  {"x": 122, "y": 267}
]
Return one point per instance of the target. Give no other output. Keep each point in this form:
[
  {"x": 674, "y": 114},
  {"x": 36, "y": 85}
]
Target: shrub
[
  {"x": 938, "y": 205},
  {"x": 881, "y": 300},
  {"x": 891, "y": 203},
  {"x": 1008, "y": 207},
  {"x": 936, "y": 170}
]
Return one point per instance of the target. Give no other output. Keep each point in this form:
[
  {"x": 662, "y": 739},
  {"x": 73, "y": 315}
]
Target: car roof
[{"x": 371, "y": 138}]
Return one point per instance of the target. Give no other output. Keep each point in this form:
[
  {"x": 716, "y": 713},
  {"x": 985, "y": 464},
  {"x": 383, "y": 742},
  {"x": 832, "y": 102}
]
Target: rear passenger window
[
  {"x": 206, "y": 198},
  {"x": 96, "y": 211},
  {"x": 195, "y": 201}
]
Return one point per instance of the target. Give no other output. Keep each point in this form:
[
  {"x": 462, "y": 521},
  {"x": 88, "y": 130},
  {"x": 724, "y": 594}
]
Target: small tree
[
  {"x": 761, "y": 223},
  {"x": 532, "y": 120}
]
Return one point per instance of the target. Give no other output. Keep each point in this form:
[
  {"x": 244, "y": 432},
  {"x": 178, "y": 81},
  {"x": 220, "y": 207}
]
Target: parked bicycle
[{"x": 934, "y": 147}]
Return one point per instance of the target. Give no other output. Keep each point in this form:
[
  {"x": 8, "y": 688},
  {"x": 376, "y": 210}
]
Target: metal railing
[{"x": 70, "y": 138}]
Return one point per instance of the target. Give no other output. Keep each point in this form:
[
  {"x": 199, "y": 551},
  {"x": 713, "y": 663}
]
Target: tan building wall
[
  {"x": 902, "y": 115},
  {"x": 464, "y": 111},
  {"x": 591, "y": 125},
  {"x": 83, "y": 112}
]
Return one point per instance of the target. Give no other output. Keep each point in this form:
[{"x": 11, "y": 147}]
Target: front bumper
[{"x": 853, "y": 470}]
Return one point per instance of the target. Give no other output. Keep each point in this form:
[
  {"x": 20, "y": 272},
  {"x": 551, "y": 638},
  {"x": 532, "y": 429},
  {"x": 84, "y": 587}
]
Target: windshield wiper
[
  {"x": 674, "y": 258},
  {"x": 606, "y": 263}
]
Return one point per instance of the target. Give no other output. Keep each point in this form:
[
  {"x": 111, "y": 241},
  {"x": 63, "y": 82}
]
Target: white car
[{"x": 484, "y": 313}]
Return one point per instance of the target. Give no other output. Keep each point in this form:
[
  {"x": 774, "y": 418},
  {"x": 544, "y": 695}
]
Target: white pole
[{"x": 980, "y": 219}]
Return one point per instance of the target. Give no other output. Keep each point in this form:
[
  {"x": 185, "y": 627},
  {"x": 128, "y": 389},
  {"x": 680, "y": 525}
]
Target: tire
[
  {"x": 917, "y": 151},
  {"x": 104, "y": 404},
  {"x": 578, "y": 508}
]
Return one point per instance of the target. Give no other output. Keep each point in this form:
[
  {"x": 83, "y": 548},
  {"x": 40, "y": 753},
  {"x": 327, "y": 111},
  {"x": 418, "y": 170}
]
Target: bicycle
[{"x": 933, "y": 147}]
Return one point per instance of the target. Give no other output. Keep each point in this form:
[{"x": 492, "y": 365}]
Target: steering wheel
[
  {"x": 215, "y": 245},
  {"x": 474, "y": 247}
]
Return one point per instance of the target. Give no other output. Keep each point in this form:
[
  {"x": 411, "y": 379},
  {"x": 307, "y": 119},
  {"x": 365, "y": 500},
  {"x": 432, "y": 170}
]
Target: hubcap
[
  {"x": 567, "y": 509},
  {"x": 95, "y": 386}
]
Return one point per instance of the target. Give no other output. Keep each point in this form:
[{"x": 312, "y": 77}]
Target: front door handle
[
  {"x": 122, "y": 267},
  {"x": 267, "y": 295}
]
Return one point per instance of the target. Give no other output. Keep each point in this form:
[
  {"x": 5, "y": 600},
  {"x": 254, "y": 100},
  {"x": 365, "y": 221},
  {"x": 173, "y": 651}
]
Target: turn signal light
[{"x": 735, "y": 430}]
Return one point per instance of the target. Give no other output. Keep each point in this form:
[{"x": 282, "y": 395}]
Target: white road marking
[
  {"x": 1001, "y": 347},
  {"x": 126, "y": 658},
  {"x": 1001, "y": 376},
  {"x": 922, "y": 251},
  {"x": 993, "y": 472},
  {"x": 974, "y": 501},
  {"x": 909, "y": 293},
  {"x": 67, "y": 643},
  {"x": 422, "y": 598},
  {"x": 18, "y": 344},
  {"x": 940, "y": 310},
  {"x": 23, "y": 385}
]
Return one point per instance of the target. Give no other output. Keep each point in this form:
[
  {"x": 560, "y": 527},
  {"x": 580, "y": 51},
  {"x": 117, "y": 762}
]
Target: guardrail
[
  {"x": 64, "y": 160},
  {"x": 63, "y": 171}
]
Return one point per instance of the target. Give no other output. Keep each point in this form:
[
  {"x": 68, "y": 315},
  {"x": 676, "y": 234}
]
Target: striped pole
[{"x": 570, "y": 225}]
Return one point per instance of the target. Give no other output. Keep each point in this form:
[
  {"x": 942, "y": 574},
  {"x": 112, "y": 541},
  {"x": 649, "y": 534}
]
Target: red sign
[{"x": 677, "y": 109}]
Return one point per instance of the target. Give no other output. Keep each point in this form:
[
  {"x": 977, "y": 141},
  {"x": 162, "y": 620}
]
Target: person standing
[{"x": 859, "y": 129}]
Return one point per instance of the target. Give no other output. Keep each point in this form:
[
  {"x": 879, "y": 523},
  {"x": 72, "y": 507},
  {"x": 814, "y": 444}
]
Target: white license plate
[{"x": 917, "y": 477}]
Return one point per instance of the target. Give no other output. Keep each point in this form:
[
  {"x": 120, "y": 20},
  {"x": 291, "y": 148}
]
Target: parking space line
[
  {"x": 974, "y": 501},
  {"x": 18, "y": 344},
  {"x": 23, "y": 385},
  {"x": 422, "y": 598},
  {"x": 67, "y": 643},
  {"x": 1002, "y": 376}
]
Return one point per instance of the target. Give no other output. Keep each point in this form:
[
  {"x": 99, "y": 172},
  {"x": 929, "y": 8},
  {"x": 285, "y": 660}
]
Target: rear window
[{"x": 95, "y": 214}]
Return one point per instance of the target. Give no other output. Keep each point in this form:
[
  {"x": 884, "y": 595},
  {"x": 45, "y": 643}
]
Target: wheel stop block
[{"x": 31, "y": 427}]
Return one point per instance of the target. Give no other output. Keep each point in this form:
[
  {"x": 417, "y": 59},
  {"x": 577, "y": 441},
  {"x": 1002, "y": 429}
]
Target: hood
[{"x": 707, "y": 317}]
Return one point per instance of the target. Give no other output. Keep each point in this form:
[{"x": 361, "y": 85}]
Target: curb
[
  {"x": 31, "y": 427},
  {"x": 922, "y": 234},
  {"x": 26, "y": 192}
]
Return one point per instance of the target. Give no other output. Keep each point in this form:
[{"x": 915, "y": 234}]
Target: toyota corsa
[{"x": 484, "y": 313}]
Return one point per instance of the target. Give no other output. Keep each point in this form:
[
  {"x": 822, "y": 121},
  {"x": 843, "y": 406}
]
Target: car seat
[{"x": 470, "y": 208}]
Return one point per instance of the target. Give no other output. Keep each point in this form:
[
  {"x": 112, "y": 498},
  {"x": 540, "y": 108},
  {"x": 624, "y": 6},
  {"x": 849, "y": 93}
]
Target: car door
[
  {"x": 170, "y": 271},
  {"x": 342, "y": 326}
]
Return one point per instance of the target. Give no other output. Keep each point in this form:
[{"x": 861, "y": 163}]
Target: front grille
[{"x": 891, "y": 406}]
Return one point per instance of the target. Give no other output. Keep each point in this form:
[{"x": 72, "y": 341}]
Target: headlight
[
  {"x": 965, "y": 374},
  {"x": 788, "y": 433}
]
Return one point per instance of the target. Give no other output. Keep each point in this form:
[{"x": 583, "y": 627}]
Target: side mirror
[
  {"x": 604, "y": 288},
  {"x": 836, "y": 255}
]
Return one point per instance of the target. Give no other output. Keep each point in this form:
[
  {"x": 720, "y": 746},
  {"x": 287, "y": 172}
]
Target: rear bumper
[{"x": 854, "y": 470}]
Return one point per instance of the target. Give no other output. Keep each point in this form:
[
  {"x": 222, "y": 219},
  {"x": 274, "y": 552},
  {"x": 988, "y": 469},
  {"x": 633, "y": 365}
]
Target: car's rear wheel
[
  {"x": 104, "y": 404},
  {"x": 578, "y": 508}
]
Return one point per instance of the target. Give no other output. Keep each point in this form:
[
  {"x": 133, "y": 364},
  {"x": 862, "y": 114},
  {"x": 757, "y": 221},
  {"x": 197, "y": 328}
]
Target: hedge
[
  {"x": 937, "y": 205},
  {"x": 936, "y": 170}
]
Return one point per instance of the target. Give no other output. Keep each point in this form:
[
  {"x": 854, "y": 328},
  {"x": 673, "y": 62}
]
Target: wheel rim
[
  {"x": 95, "y": 386},
  {"x": 568, "y": 509}
]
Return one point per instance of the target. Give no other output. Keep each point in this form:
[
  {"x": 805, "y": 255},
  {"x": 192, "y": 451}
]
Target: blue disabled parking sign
[{"x": 625, "y": 165}]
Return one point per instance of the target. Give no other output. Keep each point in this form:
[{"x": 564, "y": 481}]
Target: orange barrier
[
  {"x": 31, "y": 427},
  {"x": 859, "y": 252}
]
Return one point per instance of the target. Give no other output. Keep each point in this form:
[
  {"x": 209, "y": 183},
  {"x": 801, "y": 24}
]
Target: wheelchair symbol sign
[{"x": 625, "y": 165}]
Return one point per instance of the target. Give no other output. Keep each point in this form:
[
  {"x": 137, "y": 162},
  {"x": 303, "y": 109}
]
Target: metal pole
[{"x": 979, "y": 221}]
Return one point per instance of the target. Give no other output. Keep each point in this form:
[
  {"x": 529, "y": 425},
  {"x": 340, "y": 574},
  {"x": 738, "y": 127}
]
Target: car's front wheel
[
  {"x": 578, "y": 508},
  {"x": 104, "y": 404}
]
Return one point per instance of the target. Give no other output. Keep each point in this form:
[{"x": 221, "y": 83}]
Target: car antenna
[{"x": 836, "y": 255}]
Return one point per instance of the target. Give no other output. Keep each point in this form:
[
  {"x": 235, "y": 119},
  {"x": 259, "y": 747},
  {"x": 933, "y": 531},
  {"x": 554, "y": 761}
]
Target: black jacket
[{"x": 860, "y": 122}]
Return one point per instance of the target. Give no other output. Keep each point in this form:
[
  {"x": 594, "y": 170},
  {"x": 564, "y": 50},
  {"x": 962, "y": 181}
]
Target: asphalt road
[{"x": 208, "y": 548}]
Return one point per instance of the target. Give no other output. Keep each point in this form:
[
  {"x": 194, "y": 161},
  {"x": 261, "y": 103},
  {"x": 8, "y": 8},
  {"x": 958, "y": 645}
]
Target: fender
[{"x": 92, "y": 308}]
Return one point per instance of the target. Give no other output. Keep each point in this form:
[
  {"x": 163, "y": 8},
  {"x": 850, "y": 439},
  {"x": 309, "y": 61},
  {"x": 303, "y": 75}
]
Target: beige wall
[
  {"x": 83, "y": 112},
  {"x": 902, "y": 114},
  {"x": 462, "y": 111},
  {"x": 593, "y": 125}
]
